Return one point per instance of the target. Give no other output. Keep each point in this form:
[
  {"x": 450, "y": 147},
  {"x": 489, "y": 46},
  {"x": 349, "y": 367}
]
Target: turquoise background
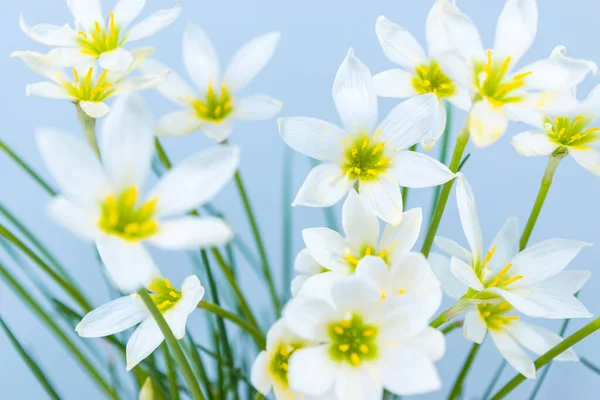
[{"x": 315, "y": 38}]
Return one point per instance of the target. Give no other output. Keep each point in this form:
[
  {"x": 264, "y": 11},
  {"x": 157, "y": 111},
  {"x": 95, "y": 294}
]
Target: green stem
[
  {"x": 450, "y": 313},
  {"x": 452, "y": 326},
  {"x": 184, "y": 366},
  {"x": 162, "y": 154},
  {"x": 492, "y": 384},
  {"x": 458, "y": 384},
  {"x": 459, "y": 149},
  {"x": 545, "y": 358},
  {"x": 404, "y": 188},
  {"x": 287, "y": 260},
  {"x": 259, "y": 243},
  {"x": 4, "y": 147},
  {"x": 553, "y": 162},
  {"x": 171, "y": 373},
  {"x": 443, "y": 153},
  {"x": 88, "y": 124}
]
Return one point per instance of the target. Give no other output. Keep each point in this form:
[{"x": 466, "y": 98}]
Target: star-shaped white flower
[
  {"x": 89, "y": 86},
  {"x": 365, "y": 344},
  {"x": 214, "y": 103},
  {"x": 128, "y": 311},
  {"x": 96, "y": 38},
  {"x": 419, "y": 73},
  {"x": 532, "y": 281},
  {"x": 103, "y": 201},
  {"x": 500, "y": 91},
  {"x": 375, "y": 159}
]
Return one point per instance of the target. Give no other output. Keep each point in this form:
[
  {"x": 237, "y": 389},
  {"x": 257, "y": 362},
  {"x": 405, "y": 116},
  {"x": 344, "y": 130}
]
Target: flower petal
[
  {"x": 327, "y": 247},
  {"x": 174, "y": 88},
  {"x": 256, "y": 108},
  {"x": 439, "y": 126},
  {"x": 418, "y": 372},
  {"x": 250, "y": 60},
  {"x": 126, "y": 11},
  {"x": 311, "y": 371},
  {"x": 354, "y": 95},
  {"x": 47, "y": 89},
  {"x": 452, "y": 248},
  {"x": 319, "y": 286},
  {"x": 313, "y": 137},
  {"x": 566, "y": 281},
  {"x": 513, "y": 353},
  {"x": 516, "y": 29},
  {"x": 474, "y": 328},
  {"x": 261, "y": 375},
  {"x": 309, "y": 317},
  {"x": 189, "y": 233},
  {"x": 394, "y": 83},
  {"x": 356, "y": 295},
  {"x": 324, "y": 186},
  {"x": 538, "y": 339},
  {"x": 468, "y": 217},
  {"x": 192, "y": 292},
  {"x": 128, "y": 263},
  {"x": 113, "y": 317},
  {"x": 94, "y": 109},
  {"x": 139, "y": 83},
  {"x": 358, "y": 383},
  {"x": 416, "y": 170},
  {"x": 306, "y": 264},
  {"x": 400, "y": 239},
  {"x": 196, "y": 180},
  {"x": 430, "y": 341},
  {"x": 486, "y": 123},
  {"x": 588, "y": 158},
  {"x": 506, "y": 244},
  {"x": 76, "y": 219},
  {"x": 66, "y": 57},
  {"x": 450, "y": 284},
  {"x": 200, "y": 58},
  {"x": 374, "y": 269},
  {"x": 86, "y": 12},
  {"x": 115, "y": 60},
  {"x": 50, "y": 35},
  {"x": 178, "y": 123},
  {"x": 360, "y": 223},
  {"x": 533, "y": 143},
  {"x": 146, "y": 338},
  {"x": 153, "y": 23},
  {"x": 384, "y": 198},
  {"x": 544, "y": 303},
  {"x": 465, "y": 274},
  {"x": 218, "y": 132},
  {"x": 398, "y": 44}
]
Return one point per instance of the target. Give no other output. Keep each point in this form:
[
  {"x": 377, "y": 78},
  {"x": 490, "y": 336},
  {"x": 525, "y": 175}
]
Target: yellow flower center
[
  {"x": 86, "y": 89},
  {"x": 501, "y": 279},
  {"x": 123, "y": 217},
  {"x": 571, "y": 132},
  {"x": 365, "y": 159},
  {"x": 354, "y": 258},
  {"x": 492, "y": 83},
  {"x": 214, "y": 107},
  {"x": 164, "y": 295},
  {"x": 494, "y": 316},
  {"x": 352, "y": 340},
  {"x": 431, "y": 79},
  {"x": 279, "y": 363},
  {"x": 100, "y": 39}
]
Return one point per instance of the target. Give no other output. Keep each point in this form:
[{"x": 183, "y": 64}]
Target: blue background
[{"x": 315, "y": 38}]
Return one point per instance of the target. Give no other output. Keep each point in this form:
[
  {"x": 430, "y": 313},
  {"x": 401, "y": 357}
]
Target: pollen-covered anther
[
  {"x": 100, "y": 39},
  {"x": 121, "y": 216},
  {"x": 352, "y": 340},
  {"x": 365, "y": 158},
  {"x": 163, "y": 294},
  {"x": 431, "y": 79},
  {"x": 494, "y": 84},
  {"x": 214, "y": 107}
]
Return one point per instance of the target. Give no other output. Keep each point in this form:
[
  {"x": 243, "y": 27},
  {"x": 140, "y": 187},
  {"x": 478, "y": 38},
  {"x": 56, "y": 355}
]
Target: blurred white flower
[
  {"x": 375, "y": 159},
  {"x": 211, "y": 106},
  {"x": 128, "y": 311},
  {"x": 532, "y": 281},
  {"x": 510, "y": 334},
  {"x": 329, "y": 256},
  {"x": 96, "y": 37},
  {"x": 364, "y": 344},
  {"x": 501, "y": 91},
  {"x": 418, "y": 73},
  {"x": 103, "y": 202},
  {"x": 88, "y": 87}
]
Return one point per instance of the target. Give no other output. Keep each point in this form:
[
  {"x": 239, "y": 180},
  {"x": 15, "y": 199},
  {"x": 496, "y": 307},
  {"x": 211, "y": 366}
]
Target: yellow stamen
[
  {"x": 521, "y": 76},
  {"x": 339, "y": 330},
  {"x": 344, "y": 347},
  {"x": 513, "y": 279},
  {"x": 489, "y": 255},
  {"x": 363, "y": 348},
  {"x": 505, "y": 65},
  {"x": 365, "y": 142},
  {"x": 355, "y": 359},
  {"x": 346, "y": 323},
  {"x": 369, "y": 332},
  {"x": 378, "y": 148},
  {"x": 368, "y": 251}
]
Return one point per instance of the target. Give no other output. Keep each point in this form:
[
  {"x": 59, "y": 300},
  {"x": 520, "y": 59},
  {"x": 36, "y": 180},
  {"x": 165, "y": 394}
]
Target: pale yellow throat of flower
[
  {"x": 87, "y": 89},
  {"x": 123, "y": 217},
  {"x": 430, "y": 78},
  {"x": 571, "y": 132},
  {"x": 364, "y": 157},
  {"x": 214, "y": 107},
  {"x": 100, "y": 39}
]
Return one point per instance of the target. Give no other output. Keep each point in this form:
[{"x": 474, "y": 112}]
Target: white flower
[
  {"x": 97, "y": 38},
  {"x": 570, "y": 128},
  {"x": 88, "y": 86},
  {"x": 373, "y": 158},
  {"x": 510, "y": 334},
  {"x": 329, "y": 256},
  {"x": 365, "y": 344},
  {"x": 501, "y": 91},
  {"x": 103, "y": 202},
  {"x": 125, "y": 312},
  {"x": 532, "y": 281},
  {"x": 213, "y": 103},
  {"x": 418, "y": 72}
]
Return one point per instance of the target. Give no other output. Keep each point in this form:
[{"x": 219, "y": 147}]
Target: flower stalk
[
  {"x": 88, "y": 124},
  {"x": 458, "y": 384}
]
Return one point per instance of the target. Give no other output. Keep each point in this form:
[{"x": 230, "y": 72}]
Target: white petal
[
  {"x": 416, "y": 170},
  {"x": 66, "y": 57},
  {"x": 545, "y": 303},
  {"x": 439, "y": 126},
  {"x": 400, "y": 239},
  {"x": 513, "y": 353},
  {"x": 588, "y": 158},
  {"x": 313, "y": 137},
  {"x": 452, "y": 248},
  {"x": 398, "y": 44},
  {"x": 374, "y": 269},
  {"x": 309, "y": 317},
  {"x": 566, "y": 281},
  {"x": 528, "y": 112},
  {"x": 461, "y": 98},
  {"x": 200, "y": 58},
  {"x": 360, "y": 223},
  {"x": 116, "y": 60},
  {"x": 358, "y": 383},
  {"x": 319, "y": 286},
  {"x": 298, "y": 283},
  {"x": 189, "y": 233},
  {"x": 142, "y": 82},
  {"x": 94, "y": 109},
  {"x": 192, "y": 292},
  {"x": 47, "y": 89},
  {"x": 153, "y": 23},
  {"x": 146, "y": 338},
  {"x": 74, "y": 166},
  {"x": 324, "y": 186},
  {"x": 250, "y": 60},
  {"x": 474, "y": 328},
  {"x": 174, "y": 88},
  {"x": 327, "y": 247},
  {"x": 256, "y": 108},
  {"x": 126, "y": 11},
  {"x": 538, "y": 339},
  {"x": 260, "y": 375},
  {"x": 128, "y": 263},
  {"x": 76, "y": 219},
  {"x": 178, "y": 123},
  {"x": 533, "y": 143},
  {"x": 127, "y": 142},
  {"x": 311, "y": 371},
  {"x": 468, "y": 217},
  {"x": 506, "y": 244},
  {"x": 356, "y": 295},
  {"x": 418, "y": 374},
  {"x": 354, "y": 95},
  {"x": 516, "y": 29},
  {"x": 431, "y": 342},
  {"x": 450, "y": 284},
  {"x": 394, "y": 83},
  {"x": 306, "y": 264},
  {"x": 465, "y": 274},
  {"x": 486, "y": 123},
  {"x": 86, "y": 12},
  {"x": 196, "y": 180},
  {"x": 113, "y": 317},
  {"x": 218, "y": 132},
  {"x": 50, "y": 35},
  {"x": 410, "y": 121},
  {"x": 384, "y": 198},
  {"x": 37, "y": 63}
]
